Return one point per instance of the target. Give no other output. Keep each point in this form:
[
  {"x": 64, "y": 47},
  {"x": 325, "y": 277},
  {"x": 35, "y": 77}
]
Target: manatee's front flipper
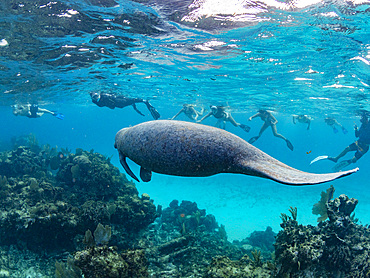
[
  {"x": 122, "y": 159},
  {"x": 145, "y": 174},
  {"x": 341, "y": 165},
  {"x": 137, "y": 110},
  {"x": 267, "y": 167},
  {"x": 321, "y": 157}
]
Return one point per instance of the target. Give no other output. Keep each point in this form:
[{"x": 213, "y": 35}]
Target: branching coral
[
  {"x": 67, "y": 270},
  {"x": 338, "y": 247},
  {"x": 320, "y": 207},
  {"x": 102, "y": 234}
]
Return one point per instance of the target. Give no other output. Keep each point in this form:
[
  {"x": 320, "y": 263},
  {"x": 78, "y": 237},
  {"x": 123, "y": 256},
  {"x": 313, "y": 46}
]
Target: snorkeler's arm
[
  {"x": 205, "y": 117},
  {"x": 274, "y": 121},
  {"x": 357, "y": 132},
  {"x": 178, "y": 113},
  {"x": 254, "y": 116},
  {"x": 193, "y": 109}
]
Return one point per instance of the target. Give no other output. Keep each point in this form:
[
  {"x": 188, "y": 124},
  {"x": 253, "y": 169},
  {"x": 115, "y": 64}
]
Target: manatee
[{"x": 194, "y": 150}]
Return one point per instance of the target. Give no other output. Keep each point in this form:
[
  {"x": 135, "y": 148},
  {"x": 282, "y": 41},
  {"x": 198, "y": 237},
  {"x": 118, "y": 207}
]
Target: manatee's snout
[{"x": 118, "y": 137}]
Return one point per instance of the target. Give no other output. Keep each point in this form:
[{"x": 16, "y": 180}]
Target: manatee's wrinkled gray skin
[{"x": 194, "y": 150}]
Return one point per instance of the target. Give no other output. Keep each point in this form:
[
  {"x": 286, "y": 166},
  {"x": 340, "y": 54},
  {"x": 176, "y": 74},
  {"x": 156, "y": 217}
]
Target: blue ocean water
[{"x": 289, "y": 57}]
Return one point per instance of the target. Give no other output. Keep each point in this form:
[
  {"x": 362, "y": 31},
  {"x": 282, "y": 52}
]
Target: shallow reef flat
[{"x": 73, "y": 214}]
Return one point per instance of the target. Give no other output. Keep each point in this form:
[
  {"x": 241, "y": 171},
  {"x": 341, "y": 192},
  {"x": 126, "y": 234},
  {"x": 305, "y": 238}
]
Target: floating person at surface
[
  {"x": 269, "y": 120},
  {"x": 190, "y": 112},
  {"x": 33, "y": 111},
  {"x": 112, "y": 101},
  {"x": 219, "y": 112},
  {"x": 361, "y": 146},
  {"x": 330, "y": 121},
  {"x": 304, "y": 119}
]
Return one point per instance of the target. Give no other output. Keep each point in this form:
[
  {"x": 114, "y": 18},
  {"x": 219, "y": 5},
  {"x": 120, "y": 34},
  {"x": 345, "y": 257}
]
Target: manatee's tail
[{"x": 268, "y": 167}]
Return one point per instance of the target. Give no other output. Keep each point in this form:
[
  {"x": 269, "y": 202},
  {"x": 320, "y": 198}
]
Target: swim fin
[
  {"x": 59, "y": 116},
  {"x": 245, "y": 127},
  {"x": 152, "y": 110},
  {"x": 253, "y": 139},
  {"x": 338, "y": 167},
  {"x": 335, "y": 130},
  {"x": 289, "y": 144},
  {"x": 321, "y": 157},
  {"x": 345, "y": 131}
]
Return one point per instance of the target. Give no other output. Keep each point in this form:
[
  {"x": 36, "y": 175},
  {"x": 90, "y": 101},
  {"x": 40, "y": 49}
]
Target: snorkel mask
[{"x": 95, "y": 97}]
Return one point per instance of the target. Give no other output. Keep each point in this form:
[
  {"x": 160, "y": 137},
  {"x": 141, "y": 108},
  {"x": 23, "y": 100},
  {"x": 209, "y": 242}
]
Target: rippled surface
[{"x": 293, "y": 57}]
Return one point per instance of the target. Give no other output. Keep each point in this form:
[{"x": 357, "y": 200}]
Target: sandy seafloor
[{"x": 242, "y": 203}]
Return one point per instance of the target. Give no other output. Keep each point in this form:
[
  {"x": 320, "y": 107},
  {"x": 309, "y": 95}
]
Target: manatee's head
[{"x": 118, "y": 139}]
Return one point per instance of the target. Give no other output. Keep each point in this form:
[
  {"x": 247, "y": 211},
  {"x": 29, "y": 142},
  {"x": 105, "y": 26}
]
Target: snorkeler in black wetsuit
[
  {"x": 361, "y": 146},
  {"x": 222, "y": 117},
  {"x": 112, "y": 101}
]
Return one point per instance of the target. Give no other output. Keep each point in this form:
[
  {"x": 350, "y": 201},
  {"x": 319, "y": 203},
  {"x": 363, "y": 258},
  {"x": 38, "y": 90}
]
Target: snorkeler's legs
[
  {"x": 220, "y": 124},
  {"x": 343, "y": 153},
  {"x": 231, "y": 120},
  {"x": 255, "y": 138},
  {"x": 223, "y": 124},
  {"x": 263, "y": 128},
  {"x": 274, "y": 131},
  {"x": 137, "y": 110},
  {"x": 288, "y": 143},
  {"x": 344, "y": 163}
]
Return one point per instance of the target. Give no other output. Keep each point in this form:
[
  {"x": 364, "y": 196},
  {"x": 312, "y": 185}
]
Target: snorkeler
[
  {"x": 304, "y": 119},
  {"x": 190, "y": 112},
  {"x": 269, "y": 120},
  {"x": 333, "y": 123},
  {"x": 112, "y": 101},
  {"x": 33, "y": 111},
  {"x": 222, "y": 117},
  {"x": 361, "y": 146}
]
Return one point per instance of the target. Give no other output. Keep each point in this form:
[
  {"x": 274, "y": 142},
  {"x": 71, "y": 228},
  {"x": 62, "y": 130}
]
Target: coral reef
[
  {"x": 183, "y": 240},
  {"x": 222, "y": 267},
  {"x": 337, "y": 247},
  {"x": 47, "y": 212},
  {"x": 67, "y": 270},
  {"x": 51, "y": 198},
  {"x": 320, "y": 207},
  {"x": 104, "y": 261},
  {"x": 263, "y": 241}
]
